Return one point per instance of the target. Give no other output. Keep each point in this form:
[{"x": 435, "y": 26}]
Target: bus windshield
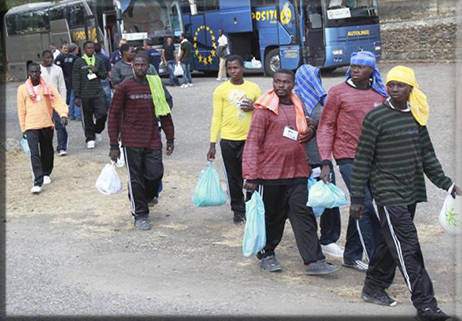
[
  {"x": 340, "y": 12},
  {"x": 157, "y": 18}
]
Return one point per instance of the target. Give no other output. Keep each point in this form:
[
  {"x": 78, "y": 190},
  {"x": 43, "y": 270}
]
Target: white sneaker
[
  {"x": 91, "y": 144},
  {"x": 98, "y": 137},
  {"x": 46, "y": 180},
  {"x": 184, "y": 86},
  {"x": 62, "y": 153},
  {"x": 218, "y": 79},
  {"x": 190, "y": 85},
  {"x": 332, "y": 249},
  {"x": 35, "y": 189}
]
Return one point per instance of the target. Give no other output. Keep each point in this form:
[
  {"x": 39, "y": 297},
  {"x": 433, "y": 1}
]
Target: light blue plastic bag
[
  {"x": 318, "y": 211},
  {"x": 25, "y": 146},
  {"x": 208, "y": 189},
  {"x": 326, "y": 195},
  {"x": 255, "y": 231}
]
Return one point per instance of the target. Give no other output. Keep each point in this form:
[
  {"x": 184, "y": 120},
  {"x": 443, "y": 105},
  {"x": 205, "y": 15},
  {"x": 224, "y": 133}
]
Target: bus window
[
  {"x": 41, "y": 21},
  {"x": 12, "y": 24},
  {"x": 314, "y": 14},
  {"x": 265, "y": 2},
  {"x": 75, "y": 15},
  {"x": 57, "y": 13}
]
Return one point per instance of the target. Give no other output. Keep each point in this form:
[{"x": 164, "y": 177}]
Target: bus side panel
[
  {"x": 236, "y": 16},
  {"x": 290, "y": 56},
  {"x": 214, "y": 21},
  {"x": 266, "y": 22},
  {"x": 19, "y": 53},
  {"x": 349, "y": 40}
]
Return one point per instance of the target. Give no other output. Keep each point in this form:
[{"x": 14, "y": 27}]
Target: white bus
[{"x": 30, "y": 28}]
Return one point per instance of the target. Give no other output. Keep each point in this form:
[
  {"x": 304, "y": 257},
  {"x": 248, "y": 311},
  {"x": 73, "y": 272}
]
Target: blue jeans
[
  {"x": 61, "y": 132},
  {"x": 172, "y": 80},
  {"x": 369, "y": 224},
  {"x": 74, "y": 110},
  {"x": 186, "y": 73},
  {"x": 107, "y": 91}
]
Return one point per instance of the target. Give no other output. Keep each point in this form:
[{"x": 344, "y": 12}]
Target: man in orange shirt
[{"x": 36, "y": 101}]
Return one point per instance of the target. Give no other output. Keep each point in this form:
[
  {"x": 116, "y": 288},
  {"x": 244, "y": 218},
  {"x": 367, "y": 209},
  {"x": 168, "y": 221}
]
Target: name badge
[
  {"x": 38, "y": 98},
  {"x": 91, "y": 76},
  {"x": 290, "y": 133}
]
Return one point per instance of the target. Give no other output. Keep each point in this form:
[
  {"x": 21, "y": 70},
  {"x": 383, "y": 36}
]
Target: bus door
[
  {"x": 289, "y": 49},
  {"x": 59, "y": 31},
  {"x": 315, "y": 52},
  {"x": 110, "y": 31}
]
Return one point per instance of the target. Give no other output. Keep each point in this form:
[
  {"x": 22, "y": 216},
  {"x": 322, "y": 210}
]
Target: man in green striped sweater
[{"x": 394, "y": 153}]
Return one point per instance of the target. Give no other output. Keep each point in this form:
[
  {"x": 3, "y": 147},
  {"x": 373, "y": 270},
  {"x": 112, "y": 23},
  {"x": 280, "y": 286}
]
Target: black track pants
[
  {"x": 93, "y": 108},
  {"x": 231, "y": 152},
  {"x": 41, "y": 153},
  {"x": 399, "y": 246},
  {"x": 289, "y": 201},
  {"x": 145, "y": 171}
]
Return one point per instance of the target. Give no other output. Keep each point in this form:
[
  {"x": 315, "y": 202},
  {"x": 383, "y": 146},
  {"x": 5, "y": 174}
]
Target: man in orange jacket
[{"x": 36, "y": 101}]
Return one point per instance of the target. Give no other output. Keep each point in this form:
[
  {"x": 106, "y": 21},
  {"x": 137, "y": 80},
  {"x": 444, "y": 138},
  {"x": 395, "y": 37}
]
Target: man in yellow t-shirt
[{"x": 232, "y": 113}]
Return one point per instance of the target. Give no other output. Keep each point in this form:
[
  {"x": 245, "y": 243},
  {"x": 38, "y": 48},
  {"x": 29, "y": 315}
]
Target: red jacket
[{"x": 342, "y": 119}]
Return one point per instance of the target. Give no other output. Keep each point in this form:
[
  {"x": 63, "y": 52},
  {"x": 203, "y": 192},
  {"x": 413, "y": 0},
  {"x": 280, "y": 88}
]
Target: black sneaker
[
  {"x": 142, "y": 224},
  {"x": 432, "y": 314},
  {"x": 154, "y": 201},
  {"x": 379, "y": 297},
  {"x": 270, "y": 264},
  {"x": 239, "y": 217},
  {"x": 357, "y": 265},
  {"x": 320, "y": 267}
]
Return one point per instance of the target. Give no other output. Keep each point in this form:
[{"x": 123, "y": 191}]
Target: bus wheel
[{"x": 272, "y": 62}]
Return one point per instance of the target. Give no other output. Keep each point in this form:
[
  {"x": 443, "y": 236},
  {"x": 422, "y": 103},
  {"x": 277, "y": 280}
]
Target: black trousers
[
  {"x": 399, "y": 246},
  {"x": 41, "y": 153},
  {"x": 231, "y": 152},
  {"x": 93, "y": 108},
  {"x": 145, "y": 171},
  {"x": 289, "y": 201}
]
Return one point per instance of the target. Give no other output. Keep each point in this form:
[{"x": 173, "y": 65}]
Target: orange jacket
[{"x": 39, "y": 114}]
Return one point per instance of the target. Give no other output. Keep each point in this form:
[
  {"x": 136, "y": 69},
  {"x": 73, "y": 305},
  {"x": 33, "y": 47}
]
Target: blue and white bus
[{"x": 283, "y": 33}]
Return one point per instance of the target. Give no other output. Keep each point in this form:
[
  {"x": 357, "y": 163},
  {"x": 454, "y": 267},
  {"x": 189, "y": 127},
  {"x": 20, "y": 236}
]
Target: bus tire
[{"x": 272, "y": 62}]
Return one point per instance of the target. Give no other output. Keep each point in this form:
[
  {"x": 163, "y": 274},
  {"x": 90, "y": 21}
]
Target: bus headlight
[
  {"x": 337, "y": 52},
  {"x": 378, "y": 48}
]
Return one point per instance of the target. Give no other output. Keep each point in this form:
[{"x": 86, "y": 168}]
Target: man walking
[
  {"x": 185, "y": 60},
  {"x": 394, "y": 152},
  {"x": 135, "y": 107},
  {"x": 117, "y": 55},
  {"x": 86, "y": 75},
  {"x": 153, "y": 54},
  {"x": 169, "y": 59},
  {"x": 274, "y": 157},
  {"x": 232, "y": 113},
  {"x": 222, "y": 52},
  {"x": 36, "y": 101},
  {"x": 123, "y": 68},
  {"x": 66, "y": 61},
  {"x": 308, "y": 86},
  {"x": 105, "y": 82},
  {"x": 54, "y": 75},
  {"x": 338, "y": 132}
]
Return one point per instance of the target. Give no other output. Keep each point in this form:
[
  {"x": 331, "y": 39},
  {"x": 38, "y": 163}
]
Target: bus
[
  {"x": 30, "y": 28},
  {"x": 282, "y": 33}
]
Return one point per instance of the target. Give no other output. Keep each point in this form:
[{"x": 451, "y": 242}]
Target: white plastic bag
[
  {"x": 178, "y": 71},
  {"x": 451, "y": 214},
  {"x": 256, "y": 64},
  {"x": 108, "y": 181},
  {"x": 121, "y": 160}
]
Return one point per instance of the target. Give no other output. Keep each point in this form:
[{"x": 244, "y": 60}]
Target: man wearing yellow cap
[{"x": 394, "y": 152}]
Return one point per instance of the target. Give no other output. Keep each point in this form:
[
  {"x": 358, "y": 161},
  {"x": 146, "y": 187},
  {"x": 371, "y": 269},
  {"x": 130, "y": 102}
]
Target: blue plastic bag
[
  {"x": 25, "y": 146},
  {"x": 326, "y": 195},
  {"x": 318, "y": 211},
  {"x": 208, "y": 189},
  {"x": 255, "y": 231}
]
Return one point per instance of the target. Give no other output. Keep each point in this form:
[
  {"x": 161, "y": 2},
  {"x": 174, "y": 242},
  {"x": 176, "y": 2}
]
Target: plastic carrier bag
[
  {"x": 255, "y": 231},
  {"x": 108, "y": 181},
  {"x": 178, "y": 72},
  {"x": 208, "y": 189},
  {"x": 451, "y": 214},
  {"x": 121, "y": 160},
  {"x": 318, "y": 211},
  {"x": 326, "y": 196},
  {"x": 25, "y": 146}
]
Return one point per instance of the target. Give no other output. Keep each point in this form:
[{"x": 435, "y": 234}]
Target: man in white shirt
[
  {"x": 54, "y": 51},
  {"x": 54, "y": 76},
  {"x": 223, "y": 52}
]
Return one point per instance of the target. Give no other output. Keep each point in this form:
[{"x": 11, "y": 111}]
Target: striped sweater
[
  {"x": 394, "y": 153},
  {"x": 132, "y": 116},
  {"x": 84, "y": 87}
]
